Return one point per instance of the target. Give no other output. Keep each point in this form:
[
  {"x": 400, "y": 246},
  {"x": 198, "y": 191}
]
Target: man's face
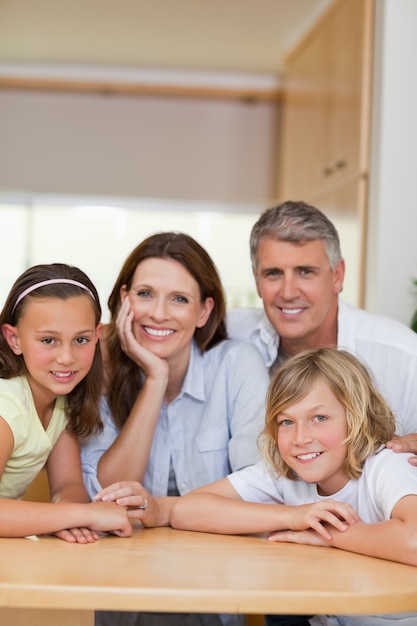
[{"x": 299, "y": 292}]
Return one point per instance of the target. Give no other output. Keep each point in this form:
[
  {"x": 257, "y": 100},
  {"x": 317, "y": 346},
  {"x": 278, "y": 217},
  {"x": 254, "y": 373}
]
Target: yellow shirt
[{"x": 32, "y": 443}]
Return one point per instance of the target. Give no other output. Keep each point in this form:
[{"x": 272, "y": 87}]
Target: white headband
[{"x": 52, "y": 281}]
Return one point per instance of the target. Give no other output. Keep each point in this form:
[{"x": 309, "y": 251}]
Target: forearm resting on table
[
  {"x": 20, "y": 518},
  {"x": 217, "y": 514},
  {"x": 392, "y": 540}
]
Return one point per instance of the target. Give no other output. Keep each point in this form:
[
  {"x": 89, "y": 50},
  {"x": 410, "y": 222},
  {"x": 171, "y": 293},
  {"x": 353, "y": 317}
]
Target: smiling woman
[{"x": 184, "y": 404}]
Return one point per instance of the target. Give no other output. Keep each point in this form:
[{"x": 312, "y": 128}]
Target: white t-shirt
[
  {"x": 386, "y": 478},
  {"x": 386, "y": 346}
]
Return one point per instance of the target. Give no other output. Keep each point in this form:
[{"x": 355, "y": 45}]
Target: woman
[{"x": 184, "y": 405}]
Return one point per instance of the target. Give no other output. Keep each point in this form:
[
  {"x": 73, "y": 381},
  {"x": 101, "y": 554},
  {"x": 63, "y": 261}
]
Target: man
[{"x": 299, "y": 272}]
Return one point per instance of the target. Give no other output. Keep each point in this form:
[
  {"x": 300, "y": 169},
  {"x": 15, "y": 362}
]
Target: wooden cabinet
[
  {"x": 324, "y": 149},
  {"x": 326, "y": 102}
]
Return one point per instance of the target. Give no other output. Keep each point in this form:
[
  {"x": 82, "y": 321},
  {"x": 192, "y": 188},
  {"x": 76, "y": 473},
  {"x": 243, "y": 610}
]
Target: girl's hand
[
  {"x": 139, "y": 503},
  {"x": 100, "y": 517},
  {"x": 78, "y": 535},
  {"x": 306, "y": 537},
  {"x": 319, "y": 515},
  {"x": 151, "y": 364},
  {"x": 108, "y": 517}
]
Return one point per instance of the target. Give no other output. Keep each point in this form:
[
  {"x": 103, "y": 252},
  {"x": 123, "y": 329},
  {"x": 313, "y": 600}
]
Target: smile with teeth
[
  {"x": 308, "y": 457},
  {"x": 291, "y": 311},
  {"x": 159, "y": 332},
  {"x": 63, "y": 374}
]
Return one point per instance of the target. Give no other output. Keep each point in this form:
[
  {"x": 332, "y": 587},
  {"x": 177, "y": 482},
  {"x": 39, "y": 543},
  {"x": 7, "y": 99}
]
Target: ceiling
[{"x": 220, "y": 35}]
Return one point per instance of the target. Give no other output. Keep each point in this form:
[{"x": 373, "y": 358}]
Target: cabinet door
[
  {"x": 346, "y": 206},
  {"x": 326, "y": 102}
]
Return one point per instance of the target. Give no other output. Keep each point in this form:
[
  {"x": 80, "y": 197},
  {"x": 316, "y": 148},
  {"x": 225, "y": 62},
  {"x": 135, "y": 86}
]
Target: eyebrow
[
  {"x": 43, "y": 331},
  {"x": 179, "y": 292},
  {"x": 306, "y": 266},
  {"x": 313, "y": 409}
]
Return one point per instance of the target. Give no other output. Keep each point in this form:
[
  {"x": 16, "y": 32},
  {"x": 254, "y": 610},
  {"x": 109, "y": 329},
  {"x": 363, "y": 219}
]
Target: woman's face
[{"x": 166, "y": 303}]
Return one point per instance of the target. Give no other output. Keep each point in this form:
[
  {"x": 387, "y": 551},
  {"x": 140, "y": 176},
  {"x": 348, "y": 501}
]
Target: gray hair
[{"x": 296, "y": 222}]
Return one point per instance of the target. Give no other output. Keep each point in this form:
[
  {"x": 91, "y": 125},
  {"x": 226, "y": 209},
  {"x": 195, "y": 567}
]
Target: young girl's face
[
  {"x": 310, "y": 438},
  {"x": 57, "y": 339},
  {"x": 167, "y": 307}
]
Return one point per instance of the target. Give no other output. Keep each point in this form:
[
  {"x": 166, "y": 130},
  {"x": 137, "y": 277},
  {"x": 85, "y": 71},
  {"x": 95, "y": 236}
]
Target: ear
[
  {"x": 257, "y": 284},
  {"x": 123, "y": 293},
  {"x": 338, "y": 276},
  {"x": 99, "y": 329},
  {"x": 207, "y": 307},
  {"x": 11, "y": 335}
]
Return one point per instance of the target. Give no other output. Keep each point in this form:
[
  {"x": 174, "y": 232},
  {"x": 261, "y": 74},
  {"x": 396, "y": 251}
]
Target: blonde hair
[{"x": 370, "y": 421}]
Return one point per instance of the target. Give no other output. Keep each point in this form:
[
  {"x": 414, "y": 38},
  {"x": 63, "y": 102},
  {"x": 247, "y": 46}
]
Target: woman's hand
[
  {"x": 97, "y": 517},
  {"x": 140, "y": 504},
  {"x": 320, "y": 515},
  {"x": 151, "y": 364}
]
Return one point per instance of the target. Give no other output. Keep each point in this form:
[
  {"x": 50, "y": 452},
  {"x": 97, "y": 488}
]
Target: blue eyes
[
  {"x": 147, "y": 294},
  {"x": 316, "y": 418}
]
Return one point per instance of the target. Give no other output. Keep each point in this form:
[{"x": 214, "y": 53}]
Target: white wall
[
  {"x": 392, "y": 234},
  {"x": 119, "y": 145}
]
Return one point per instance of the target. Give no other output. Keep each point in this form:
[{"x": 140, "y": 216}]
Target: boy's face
[{"x": 310, "y": 438}]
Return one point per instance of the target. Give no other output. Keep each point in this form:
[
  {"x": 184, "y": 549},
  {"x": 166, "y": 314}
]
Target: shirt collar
[
  {"x": 268, "y": 336},
  {"x": 193, "y": 384}
]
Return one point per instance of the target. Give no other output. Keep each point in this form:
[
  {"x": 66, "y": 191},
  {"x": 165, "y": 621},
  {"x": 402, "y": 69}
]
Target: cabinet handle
[{"x": 333, "y": 167}]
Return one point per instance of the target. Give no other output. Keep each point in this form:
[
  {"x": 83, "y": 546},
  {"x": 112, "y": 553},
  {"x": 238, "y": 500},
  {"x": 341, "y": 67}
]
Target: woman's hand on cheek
[{"x": 152, "y": 365}]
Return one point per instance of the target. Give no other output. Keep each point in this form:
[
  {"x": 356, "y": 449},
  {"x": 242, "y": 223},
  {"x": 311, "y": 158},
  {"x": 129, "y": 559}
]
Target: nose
[
  {"x": 302, "y": 434},
  {"x": 289, "y": 288},
  {"x": 159, "y": 310},
  {"x": 65, "y": 355}
]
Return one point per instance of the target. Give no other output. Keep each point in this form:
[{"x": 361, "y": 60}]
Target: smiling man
[{"x": 299, "y": 271}]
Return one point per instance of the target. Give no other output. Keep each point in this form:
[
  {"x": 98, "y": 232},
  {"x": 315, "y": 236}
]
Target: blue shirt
[{"x": 209, "y": 430}]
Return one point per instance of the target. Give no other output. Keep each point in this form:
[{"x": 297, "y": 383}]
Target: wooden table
[{"x": 50, "y": 582}]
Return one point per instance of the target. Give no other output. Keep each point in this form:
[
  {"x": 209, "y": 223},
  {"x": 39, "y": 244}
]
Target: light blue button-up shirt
[{"x": 209, "y": 430}]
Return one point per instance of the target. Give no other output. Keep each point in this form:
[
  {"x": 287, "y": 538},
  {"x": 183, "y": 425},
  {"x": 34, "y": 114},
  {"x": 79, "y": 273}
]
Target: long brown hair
[
  {"x": 82, "y": 403},
  {"x": 125, "y": 378},
  {"x": 370, "y": 421}
]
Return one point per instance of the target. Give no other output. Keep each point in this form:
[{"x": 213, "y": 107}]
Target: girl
[
  {"x": 325, "y": 460},
  {"x": 50, "y": 381}
]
